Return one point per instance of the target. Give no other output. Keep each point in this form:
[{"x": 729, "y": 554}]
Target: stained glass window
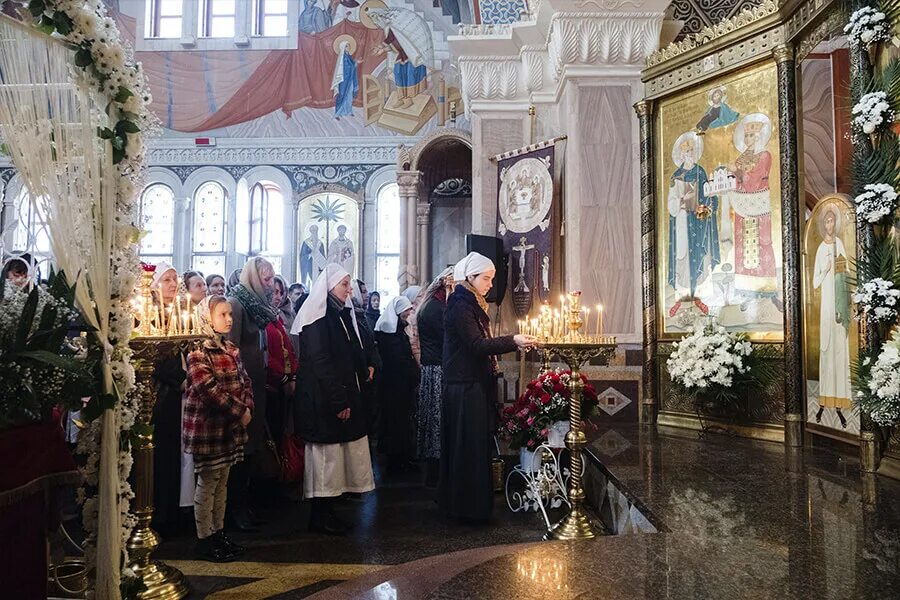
[
  {"x": 158, "y": 222},
  {"x": 387, "y": 240},
  {"x": 208, "y": 241}
]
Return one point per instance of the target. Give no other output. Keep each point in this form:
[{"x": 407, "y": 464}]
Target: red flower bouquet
[{"x": 526, "y": 423}]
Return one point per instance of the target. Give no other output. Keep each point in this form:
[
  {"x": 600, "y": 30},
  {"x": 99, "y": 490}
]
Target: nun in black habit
[{"x": 470, "y": 372}]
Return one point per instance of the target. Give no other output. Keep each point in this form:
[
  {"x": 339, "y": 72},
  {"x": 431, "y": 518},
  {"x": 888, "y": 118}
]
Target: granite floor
[{"x": 735, "y": 519}]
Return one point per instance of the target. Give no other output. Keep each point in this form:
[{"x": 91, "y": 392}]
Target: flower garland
[
  {"x": 879, "y": 299},
  {"x": 879, "y": 394},
  {"x": 867, "y": 26},
  {"x": 876, "y": 203},
  {"x": 872, "y": 112},
  {"x": 104, "y": 64}
]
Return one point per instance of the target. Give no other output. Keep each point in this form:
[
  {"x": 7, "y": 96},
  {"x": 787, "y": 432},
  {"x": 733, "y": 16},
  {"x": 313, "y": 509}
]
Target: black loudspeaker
[{"x": 492, "y": 247}]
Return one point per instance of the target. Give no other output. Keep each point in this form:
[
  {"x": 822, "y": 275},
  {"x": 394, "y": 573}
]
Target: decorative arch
[
  {"x": 166, "y": 177},
  {"x": 269, "y": 173},
  {"x": 438, "y": 135},
  {"x": 332, "y": 188},
  {"x": 383, "y": 176},
  {"x": 209, "y": 173}
]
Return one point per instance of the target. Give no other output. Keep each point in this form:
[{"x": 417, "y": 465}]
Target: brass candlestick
[
  {"x": 577, "y": 524},
  {"x": 163, "y": 582}
]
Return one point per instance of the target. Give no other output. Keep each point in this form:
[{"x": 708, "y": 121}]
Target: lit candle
[
  {"x": 600, "y": 321},
  {"x": 186, "y": 322},
  {"x": 587, "y": 321}
]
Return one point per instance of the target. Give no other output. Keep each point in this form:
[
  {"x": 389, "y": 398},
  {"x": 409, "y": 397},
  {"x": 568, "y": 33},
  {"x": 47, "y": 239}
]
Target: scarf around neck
[{"x": 260, "y": 313}]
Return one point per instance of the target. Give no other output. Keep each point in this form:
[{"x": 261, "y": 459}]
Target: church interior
[{"x": 690, "y": 342}]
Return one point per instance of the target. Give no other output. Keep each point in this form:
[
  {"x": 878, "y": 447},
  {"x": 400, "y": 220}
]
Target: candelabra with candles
[
  {"x": 566, "y": 332},
  {"x": 163, "y": 331}
]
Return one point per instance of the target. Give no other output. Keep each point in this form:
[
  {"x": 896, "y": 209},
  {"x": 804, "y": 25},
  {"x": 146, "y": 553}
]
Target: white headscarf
[
  {"x": 317, "y": 303},
  {"x": 411, "y": 292},
  {"x": 473, "y": 264},
  {"x": 357, "y": 299},
  {"x": 390, "y": 315},
  {"x": 161, "y": 269}
]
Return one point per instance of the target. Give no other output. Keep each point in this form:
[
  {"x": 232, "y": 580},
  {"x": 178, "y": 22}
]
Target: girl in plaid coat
[{"x": 216, "y": 415}]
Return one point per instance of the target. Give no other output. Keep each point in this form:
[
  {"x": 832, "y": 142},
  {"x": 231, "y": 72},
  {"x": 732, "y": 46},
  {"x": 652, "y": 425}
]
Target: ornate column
[
  {"x": 794, "y": 391},
  {"x": 861, "y": 69},
  {"x": 408, "y": 184},
  {"x": 648, "y": 410},
  {"x": 423, "y": 220}
]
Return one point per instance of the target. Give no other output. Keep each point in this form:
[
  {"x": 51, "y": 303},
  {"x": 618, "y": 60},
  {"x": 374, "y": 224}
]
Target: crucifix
[{"x": 522, "y": 248}]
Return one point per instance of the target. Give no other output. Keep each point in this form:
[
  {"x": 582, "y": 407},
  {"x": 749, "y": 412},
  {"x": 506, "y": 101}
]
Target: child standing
[{"x": 216, "y": 415}]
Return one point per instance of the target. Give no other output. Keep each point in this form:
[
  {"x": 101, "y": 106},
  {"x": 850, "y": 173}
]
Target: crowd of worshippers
[{"x": 287, "y": 379}]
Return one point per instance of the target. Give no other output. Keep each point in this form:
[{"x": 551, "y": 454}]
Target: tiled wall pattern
[{"x": 500, "y": 12}]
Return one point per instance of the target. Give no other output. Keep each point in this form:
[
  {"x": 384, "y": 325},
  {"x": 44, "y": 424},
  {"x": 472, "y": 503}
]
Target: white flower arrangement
[
  {"x": 867, "y": 26},
  {"x": 709, "y": 357},
  {"x": 878, "y": 201},
  {"x": 880, "y": 397},
  {"x": 105, "y": 64},
  {"x": 879, "y": 299},
  {"x": 872, "y": 112}
]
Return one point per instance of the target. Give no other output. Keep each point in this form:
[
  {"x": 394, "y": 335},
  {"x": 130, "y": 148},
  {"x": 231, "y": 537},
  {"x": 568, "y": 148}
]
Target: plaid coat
[{"x": 218, "y": 392}]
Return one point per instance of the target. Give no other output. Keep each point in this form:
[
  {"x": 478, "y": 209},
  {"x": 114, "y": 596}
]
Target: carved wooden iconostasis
[{"x": 748, "y": 120}]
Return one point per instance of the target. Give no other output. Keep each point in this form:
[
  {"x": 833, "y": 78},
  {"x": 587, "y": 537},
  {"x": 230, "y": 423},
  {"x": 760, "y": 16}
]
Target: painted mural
[
  {"x": 358, "y": 66},
  {"x": 719, "y": 209}
]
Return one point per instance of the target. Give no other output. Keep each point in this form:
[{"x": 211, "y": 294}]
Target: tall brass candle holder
[
  {"x": 159, "y": 334},
  {"x": 560, "y": 333},
  {"x": 162, "y": 581}
]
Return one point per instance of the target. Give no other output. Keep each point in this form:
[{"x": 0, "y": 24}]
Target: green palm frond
[
  {"x": 881, "y": 261},
  {"x": 878, "y": 164},
  {"x": 891, "y": 9},
  {"x": 328, "y": 210}
]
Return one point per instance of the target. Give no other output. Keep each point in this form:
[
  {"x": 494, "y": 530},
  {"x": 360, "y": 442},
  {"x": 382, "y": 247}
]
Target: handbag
[
  {"x": 293, "y": 457},
  {"x": 269, "y": 458}
]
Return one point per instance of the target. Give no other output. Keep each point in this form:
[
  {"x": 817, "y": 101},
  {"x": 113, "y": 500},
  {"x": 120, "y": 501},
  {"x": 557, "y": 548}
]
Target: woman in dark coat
[
  {"x": 360, "y": 302},
  {"x": 430, "y": 323},
  {"x": 470, "y": 372},
  {"x": 252, "y": 311},
  {"x": 331, "y": 414},
  {"x": 373, "y": 311},
  {"x": 397, "y": 391}
]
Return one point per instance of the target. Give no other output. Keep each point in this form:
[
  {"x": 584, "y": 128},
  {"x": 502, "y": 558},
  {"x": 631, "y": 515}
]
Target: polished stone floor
[{"x": 734, "y": 518}]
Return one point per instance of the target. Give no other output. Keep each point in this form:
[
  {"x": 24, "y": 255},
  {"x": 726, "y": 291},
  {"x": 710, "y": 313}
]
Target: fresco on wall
[
  {"x": 719, "y": 218},
  {"x": 360, "y": 68}
]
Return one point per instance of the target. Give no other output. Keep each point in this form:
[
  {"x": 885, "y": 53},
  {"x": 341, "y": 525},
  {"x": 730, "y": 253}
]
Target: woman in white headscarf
[
  {"x": 470, "y": 372},
  {"x": 397, "y": 391},
  {"x": 330, "y": 414},
  {"x": 252, "y": 312}
]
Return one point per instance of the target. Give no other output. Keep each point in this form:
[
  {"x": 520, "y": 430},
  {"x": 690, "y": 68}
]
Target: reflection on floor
[{"x": 735, "y": 519}]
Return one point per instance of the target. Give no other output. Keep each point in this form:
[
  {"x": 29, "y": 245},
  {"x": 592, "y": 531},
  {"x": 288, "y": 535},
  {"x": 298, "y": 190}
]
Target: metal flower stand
[
  {"x": 163, "y": 582},
  {"x": 545, "y": 483},
  {"x": 577, "y": 524}
]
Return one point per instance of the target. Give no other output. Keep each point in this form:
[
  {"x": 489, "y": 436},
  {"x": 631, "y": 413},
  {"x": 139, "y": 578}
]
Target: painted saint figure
[
  {"x": 406, "y": 35},
  {"x": 345, "y": 82},
  {"x": 719, "y": 114},
  {"x": 314, "y": 18},
  {"x": 693, "y": 228},
  {"x": 830, "y": 278},
  {"x": 754, "y": 254},
  {"x": 312, "y": 257},
  {"x": 340, "y": 250}
]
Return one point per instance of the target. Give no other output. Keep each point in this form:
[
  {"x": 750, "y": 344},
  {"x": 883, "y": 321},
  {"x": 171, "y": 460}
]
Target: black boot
[
  {"x": 210, "y": 549},
  {"x": 240, "y": 520},
  {"x": 228, "y": 543},
  {"x": 322, "y": 518},
  {"x": 819, "y": 414},
  {"x": 841, "y": 417}
]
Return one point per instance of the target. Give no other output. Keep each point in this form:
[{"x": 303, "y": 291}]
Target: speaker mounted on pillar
[{"x": 492, "y": 247}]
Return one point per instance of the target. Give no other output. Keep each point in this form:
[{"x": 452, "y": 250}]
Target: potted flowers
[
  {"x": 713, "y": 367},
  {"x": 541, "y": 414}
]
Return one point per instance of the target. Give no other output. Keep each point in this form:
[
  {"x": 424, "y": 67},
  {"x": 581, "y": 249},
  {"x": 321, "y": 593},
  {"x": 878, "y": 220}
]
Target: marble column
[
  {"x": 648, "y": 263},
  {"x": 423, "y": 221},
  {"x": 408, "y": 184},
  {"x": 861, "y": 69},
  {"x": 794, "y": 391}
]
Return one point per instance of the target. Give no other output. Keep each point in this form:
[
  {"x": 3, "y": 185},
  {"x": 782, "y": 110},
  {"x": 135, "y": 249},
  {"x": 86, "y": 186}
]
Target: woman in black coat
[
  {"x": 470, "y": 372},
  {"x": 367, "y": 336},
  {"x": 397, "y": 392},
  {"x": 331, "y": 414}
]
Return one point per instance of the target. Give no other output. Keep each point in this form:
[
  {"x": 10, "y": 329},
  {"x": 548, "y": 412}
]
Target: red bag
[{"x": 293, "y": 452}]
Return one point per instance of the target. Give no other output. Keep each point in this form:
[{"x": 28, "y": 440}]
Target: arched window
[
  {"x": 387, "y": 241},
  {"x": 208, "y": 239},
  {"x": 329, "y": 226},
  {"x": 158, "y": 222},
  {"x": 261, "y": 223},
  {"x": 31, "y": 234}
]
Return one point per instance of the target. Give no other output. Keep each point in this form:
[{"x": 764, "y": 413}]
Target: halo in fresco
[
  {"x": 765, "y": 133},
  {"x": 687, "y": 136}
]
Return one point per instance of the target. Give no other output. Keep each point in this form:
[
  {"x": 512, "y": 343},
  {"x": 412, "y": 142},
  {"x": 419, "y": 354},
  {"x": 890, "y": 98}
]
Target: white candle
[
  {"x": 600, "y": 321},
  {"x": 587, "y": 321}
]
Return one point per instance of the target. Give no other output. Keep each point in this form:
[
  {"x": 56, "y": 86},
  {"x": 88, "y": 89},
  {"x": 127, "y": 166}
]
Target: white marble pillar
[
  {"x": 423, "y": 225},
  {"x": 408, "y": 183}
]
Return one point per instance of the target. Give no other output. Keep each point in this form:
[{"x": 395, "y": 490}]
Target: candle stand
[
  {"x": 163, "y": 582},
  {"x": 577, "y": 524}
]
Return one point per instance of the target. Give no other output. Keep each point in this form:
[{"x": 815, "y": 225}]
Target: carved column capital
[
  {"x": 783, "y": 53},
  {"x": 423, "y": 213},
  {"x": 642, "y": 108}
]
